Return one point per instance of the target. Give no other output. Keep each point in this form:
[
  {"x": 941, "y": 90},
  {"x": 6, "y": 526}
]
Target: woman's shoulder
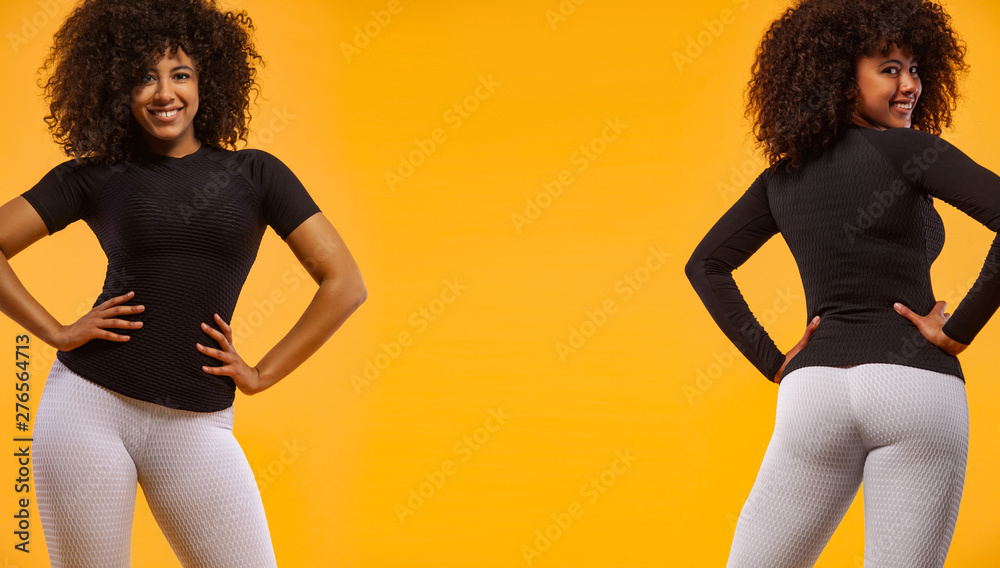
[
  {"x": 906, "y": 138},
  {"x": 911, "y": 152},
  {"x": 84, "y": 171},
  {"x": 259, "y": 167},
  {"x": 254, "y": 159},
  {"x": 242, "y": 154}
]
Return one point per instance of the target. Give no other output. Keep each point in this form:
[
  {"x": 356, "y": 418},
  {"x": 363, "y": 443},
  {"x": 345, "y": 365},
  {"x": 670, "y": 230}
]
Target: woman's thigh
[
  {"x": 202, "y": 491},
  {"x": 809, "y": 475},
  {"x": 916, "y": 424},
  {"x": 85, "y": 477}
]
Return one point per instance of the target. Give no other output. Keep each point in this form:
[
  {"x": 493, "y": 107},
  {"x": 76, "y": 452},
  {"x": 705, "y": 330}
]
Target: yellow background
[{"x": 342, "y": 122}]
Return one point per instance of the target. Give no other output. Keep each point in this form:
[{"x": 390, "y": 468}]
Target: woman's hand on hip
[
  {"x": 247, "y": 378},
  {"x": 96, "y": 324},
  {"x": 931, "y": 327},
  {"x": 798, "y": 347}
]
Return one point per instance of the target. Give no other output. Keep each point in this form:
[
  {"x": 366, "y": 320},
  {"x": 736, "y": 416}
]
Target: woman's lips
[
  {"x": 165, "y": 115},
  {"x": 904, "y": 106}
]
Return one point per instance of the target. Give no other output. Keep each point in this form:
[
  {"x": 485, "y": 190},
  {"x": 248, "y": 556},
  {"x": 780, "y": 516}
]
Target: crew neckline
[{"x": 148, "y": 154}]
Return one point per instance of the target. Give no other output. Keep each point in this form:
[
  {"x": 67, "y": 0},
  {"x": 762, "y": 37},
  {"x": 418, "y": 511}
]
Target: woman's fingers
[
  {"x": 931, "y": 326},
  {"x": 940, "y": 308},
  {"x": 212, "y": 352},
  {"x": 112, "y": 308},
  {"x": 111, "y": 302},
  {"x": 217, "y": 335},
  {"x": 113, "y": 336},
  {"x": 813, "y": 324},
  {"x": 907, "y": 313},
  {"x": 117, "y": 299},
  {"x": 246, "y": 378},
  {"x": 97, "y": 322},
  {"x": 226, "y": 330},
  {"x": 226, "y": 354},
  {"x": 118, "y": 324},
  {"x": 810, "y": 328},
  {"x": 937, "y": 312},
  {"x": 120, "y": 310}
]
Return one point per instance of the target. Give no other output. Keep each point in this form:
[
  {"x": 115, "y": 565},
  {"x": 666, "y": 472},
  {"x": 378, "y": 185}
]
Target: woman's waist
[
  {"x": 182, "y": 301},
  {"x": 884, "y": 324},
  {"x": 870, "y": 337},
  {"x": 873, "y": 312}
]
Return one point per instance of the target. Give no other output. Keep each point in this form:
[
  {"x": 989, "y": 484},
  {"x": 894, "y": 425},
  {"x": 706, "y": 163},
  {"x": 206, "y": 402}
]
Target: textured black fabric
[
  {"x": 860, "y": 223},
  {"x": 182, "y": 233}
]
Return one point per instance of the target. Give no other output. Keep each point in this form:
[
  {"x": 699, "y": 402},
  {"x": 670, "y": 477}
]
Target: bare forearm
[
  {"x": 20, "y": 306},
  {"x": 334, "y": 301}
]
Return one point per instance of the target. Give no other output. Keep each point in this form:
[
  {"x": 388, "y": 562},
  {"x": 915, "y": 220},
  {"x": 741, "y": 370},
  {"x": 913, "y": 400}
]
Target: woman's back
[
  {"x": 859, "y": 221},
  {"x": 863, "y": 238}
]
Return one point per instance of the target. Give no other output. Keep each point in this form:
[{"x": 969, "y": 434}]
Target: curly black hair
[
  {"x": 803, "y": 88},
  {"x": 100, "y": 53}
]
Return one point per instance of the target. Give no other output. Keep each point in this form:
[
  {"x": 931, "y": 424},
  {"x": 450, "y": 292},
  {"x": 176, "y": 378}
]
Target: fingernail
[
  {"x": 897, "y": 306},
  {"x": 204, "y": 326},
  {"x": 815, "y": 319}
]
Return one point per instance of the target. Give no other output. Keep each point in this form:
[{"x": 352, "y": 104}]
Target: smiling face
[
  {"x": 889, "y": 88},
  {"x": 165, "y": 102}
]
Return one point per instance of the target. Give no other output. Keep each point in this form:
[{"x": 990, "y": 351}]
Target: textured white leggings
[
  {"x": 902, "y": 431},
  {"x": 91, "y": 447}
]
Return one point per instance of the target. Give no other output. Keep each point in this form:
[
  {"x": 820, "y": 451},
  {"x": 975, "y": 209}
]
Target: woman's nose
[{"x": 164, "y": 91}]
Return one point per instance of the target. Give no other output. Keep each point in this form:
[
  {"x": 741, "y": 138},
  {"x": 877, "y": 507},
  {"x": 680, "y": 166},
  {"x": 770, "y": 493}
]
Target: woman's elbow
[
  {"x": 695, "y": 269},
  {"x": 352, "y": 289},
  {"x": 359, "y": 293}
]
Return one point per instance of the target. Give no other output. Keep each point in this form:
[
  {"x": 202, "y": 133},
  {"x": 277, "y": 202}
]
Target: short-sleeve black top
[
  {"x": 182, "y": 233},
  {"x": 860, "y": 223}
]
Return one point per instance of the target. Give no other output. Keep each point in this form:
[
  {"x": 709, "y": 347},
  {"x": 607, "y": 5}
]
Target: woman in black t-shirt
[{"x": 150, "y": 98}]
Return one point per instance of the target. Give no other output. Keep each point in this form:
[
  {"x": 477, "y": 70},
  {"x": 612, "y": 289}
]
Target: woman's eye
[
  {"x": 890, "y": 70},
  {"x": 146, "y": 79},
  {"x": 182, "y": 76},
  {"x": 913, "y": 70}
]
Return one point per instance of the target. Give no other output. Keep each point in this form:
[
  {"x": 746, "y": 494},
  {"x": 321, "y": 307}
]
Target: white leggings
[
  {"x": 902, "y": 431},
  {"x": 91, "y": 447}
]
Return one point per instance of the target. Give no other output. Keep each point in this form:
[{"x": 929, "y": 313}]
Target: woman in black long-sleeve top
[{"x": 848, "y": 100}]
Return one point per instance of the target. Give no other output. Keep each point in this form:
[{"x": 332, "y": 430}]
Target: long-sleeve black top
[{"x": 860, "y": 223}]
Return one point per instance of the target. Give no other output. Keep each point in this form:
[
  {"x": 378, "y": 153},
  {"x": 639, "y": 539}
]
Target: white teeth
[
  {"x": 166, "y": 114},
  {"x": 906, "y": 106}
]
